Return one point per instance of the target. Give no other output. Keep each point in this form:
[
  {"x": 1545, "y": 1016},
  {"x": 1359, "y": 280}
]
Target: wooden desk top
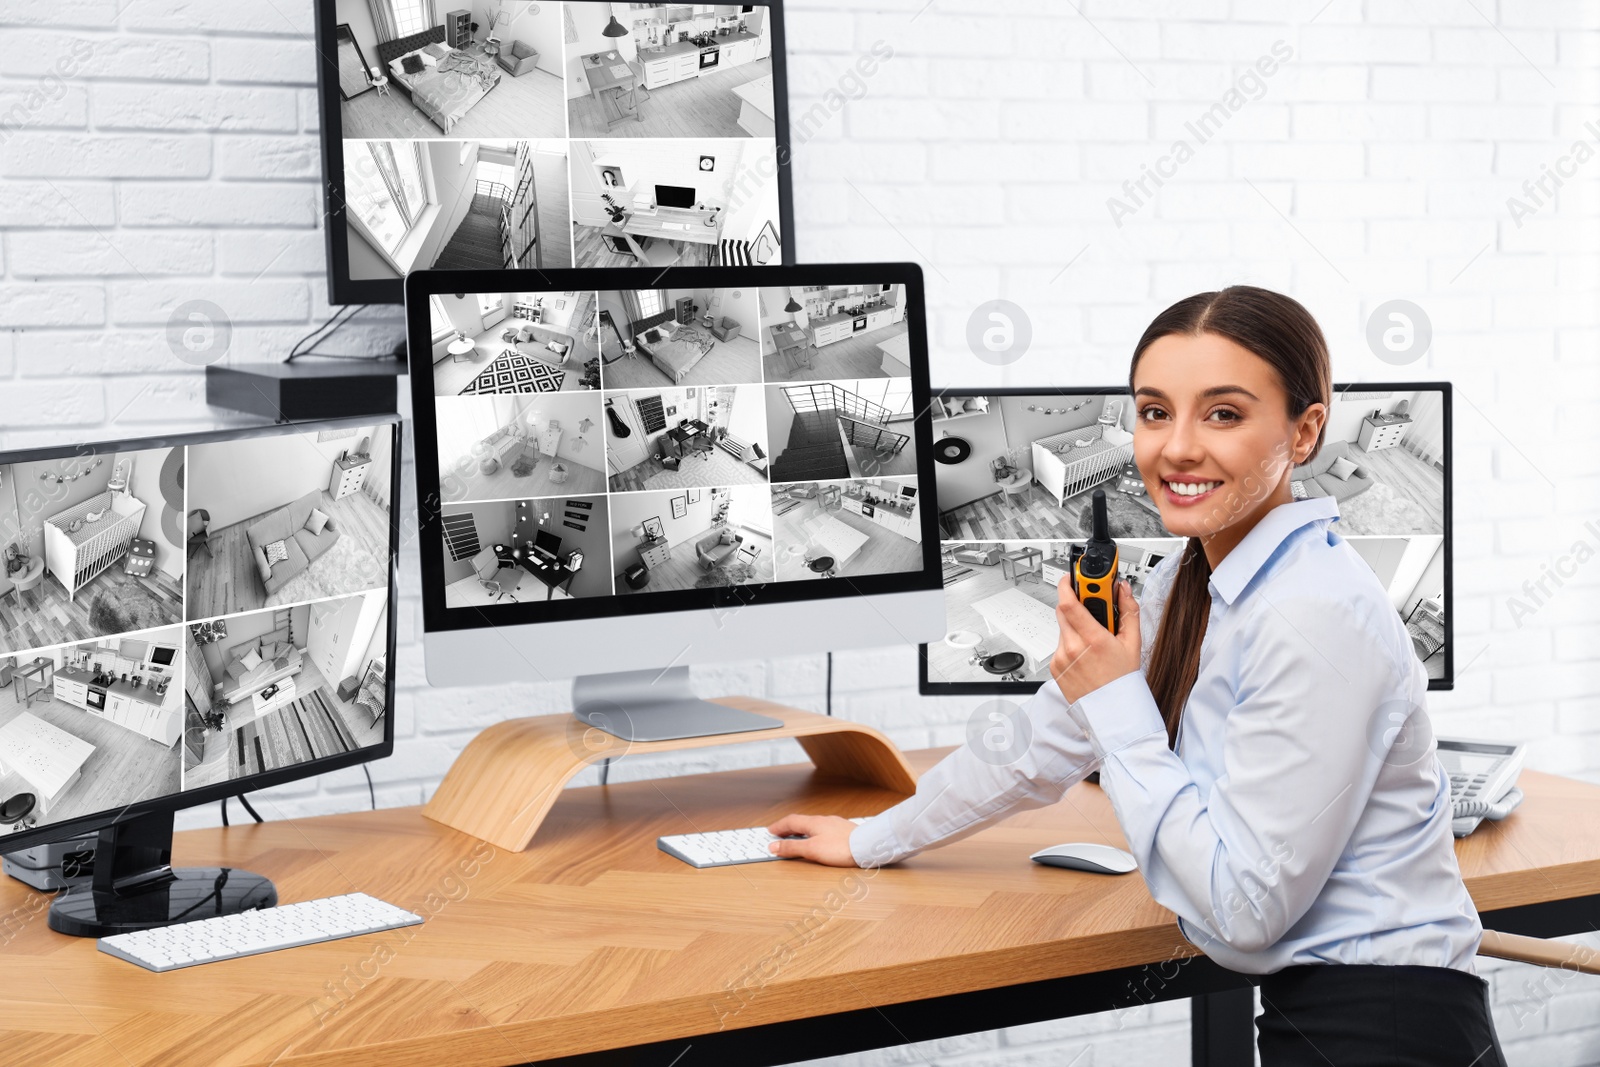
[
  {"x": 656, "y": 224},
  {"x": 594, "y": 938}
]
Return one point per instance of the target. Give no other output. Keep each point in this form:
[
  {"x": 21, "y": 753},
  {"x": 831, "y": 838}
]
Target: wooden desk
[
  {"x": 673, "y": 224},
  {"x": 554, "y": 576},
  {"x": 595, "y": 940},
  {"x": 691, "y": 438}
]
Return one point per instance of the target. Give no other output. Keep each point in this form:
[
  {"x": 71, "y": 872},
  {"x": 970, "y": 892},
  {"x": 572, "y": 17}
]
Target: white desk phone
[{"x": 1483, "y": 780}]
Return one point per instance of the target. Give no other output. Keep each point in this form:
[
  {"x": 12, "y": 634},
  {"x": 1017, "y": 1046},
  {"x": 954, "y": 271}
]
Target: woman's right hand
[{"x": 827, "y": 839}]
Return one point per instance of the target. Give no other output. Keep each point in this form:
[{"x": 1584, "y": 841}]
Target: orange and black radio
[{"x": 1094, "y": 569}]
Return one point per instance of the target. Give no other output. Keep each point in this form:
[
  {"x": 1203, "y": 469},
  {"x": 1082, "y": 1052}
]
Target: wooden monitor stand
[{"x": 502, "y": 785}]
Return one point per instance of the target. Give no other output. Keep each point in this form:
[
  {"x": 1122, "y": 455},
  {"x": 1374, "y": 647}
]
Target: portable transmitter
[{"x": 1094, "y": 569}]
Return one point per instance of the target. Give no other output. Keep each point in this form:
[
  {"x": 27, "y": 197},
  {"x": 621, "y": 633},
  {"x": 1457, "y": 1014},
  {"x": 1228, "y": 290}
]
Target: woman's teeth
[{"x": 1192, "y": 488}]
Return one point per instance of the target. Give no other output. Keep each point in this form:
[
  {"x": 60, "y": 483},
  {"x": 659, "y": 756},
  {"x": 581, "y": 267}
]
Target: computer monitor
[
  {"x": 190, "y": 618},
  {"x": 1014, "y": 481},
  {"x": 522, "y": 135},
  {"x": 675, "y": 196},
  {"x": 547, "y": 544},
  {"x": 731, "y": 473}
]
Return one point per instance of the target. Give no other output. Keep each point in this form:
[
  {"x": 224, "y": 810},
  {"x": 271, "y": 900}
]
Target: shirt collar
[{"x": 1251, "y": 554}]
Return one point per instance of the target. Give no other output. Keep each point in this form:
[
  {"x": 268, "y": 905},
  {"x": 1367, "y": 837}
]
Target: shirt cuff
[
  {"x": 873, "y": 843},
  {"x": 1119, "y": 713}
]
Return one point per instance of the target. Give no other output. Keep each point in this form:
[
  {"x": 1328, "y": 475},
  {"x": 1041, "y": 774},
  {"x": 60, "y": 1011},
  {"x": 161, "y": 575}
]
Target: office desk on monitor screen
[
  {"x": 593, "y": 943},
  {"x": 553, "y": 575},
  {"x": 673, "y": 224}
]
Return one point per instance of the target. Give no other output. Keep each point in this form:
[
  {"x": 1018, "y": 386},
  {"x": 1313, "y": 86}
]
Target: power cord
[
  {"x": 829, "y": 691},
  {"x": 372, "y": 796},
  {"x": 253, "y": 813},
  {"x": 327, "y": 329},
  {"x": 605, "y": 768}
]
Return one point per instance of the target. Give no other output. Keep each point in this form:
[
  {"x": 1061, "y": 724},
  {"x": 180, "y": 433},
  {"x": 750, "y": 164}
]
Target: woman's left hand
[{"x": 1088, "y": 655}]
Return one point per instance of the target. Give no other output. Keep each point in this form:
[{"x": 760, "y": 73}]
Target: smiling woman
[
  {"x": 1216, "y": 458},
  {"x": 1260, "y": 786}
]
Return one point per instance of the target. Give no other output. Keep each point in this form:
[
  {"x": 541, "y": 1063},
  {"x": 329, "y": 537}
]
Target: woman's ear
[{"x": 1308, "y": 430}]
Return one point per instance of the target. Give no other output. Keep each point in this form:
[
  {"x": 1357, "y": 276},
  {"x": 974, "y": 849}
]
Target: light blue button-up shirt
[{"x": 1303, "y": 817}]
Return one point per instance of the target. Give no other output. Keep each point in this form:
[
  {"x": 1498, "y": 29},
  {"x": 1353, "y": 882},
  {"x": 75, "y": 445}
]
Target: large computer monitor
[
  {"x": 536, "y": 136},
  {"x": 186, "y": 619},
  {"x": 734, "y": 473},
  {"x": 1015, "y": 475}
]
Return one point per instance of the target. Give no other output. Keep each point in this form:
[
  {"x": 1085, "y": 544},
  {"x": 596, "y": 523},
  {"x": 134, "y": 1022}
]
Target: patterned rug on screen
[{"x": 515, "y": 373}]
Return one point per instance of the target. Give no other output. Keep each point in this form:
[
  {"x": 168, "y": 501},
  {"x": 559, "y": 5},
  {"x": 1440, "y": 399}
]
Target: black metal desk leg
[{"x": 1222, "y": 1028}]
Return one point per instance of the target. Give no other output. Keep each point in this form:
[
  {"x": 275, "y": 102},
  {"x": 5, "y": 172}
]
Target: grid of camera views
[
  {"x": 176, "y": 617},
  {"x": 1015, "y": 478},
  {"x": 513, "y": 134},
  {"x": 616, "y": 443}
]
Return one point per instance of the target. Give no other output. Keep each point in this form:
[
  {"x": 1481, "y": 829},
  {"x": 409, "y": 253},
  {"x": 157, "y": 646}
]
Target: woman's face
[{"x": 1213, "y": 438}]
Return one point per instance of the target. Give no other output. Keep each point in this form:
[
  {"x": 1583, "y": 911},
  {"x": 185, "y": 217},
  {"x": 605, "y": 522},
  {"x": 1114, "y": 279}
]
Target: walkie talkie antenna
[
  {"x": 1095, "y": 570},
  {"x": 1102, "y": 524}
]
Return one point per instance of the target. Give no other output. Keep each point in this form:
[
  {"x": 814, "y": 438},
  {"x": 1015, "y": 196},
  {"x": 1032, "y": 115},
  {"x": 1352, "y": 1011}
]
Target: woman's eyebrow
[{"x": 1215, "y": 390}]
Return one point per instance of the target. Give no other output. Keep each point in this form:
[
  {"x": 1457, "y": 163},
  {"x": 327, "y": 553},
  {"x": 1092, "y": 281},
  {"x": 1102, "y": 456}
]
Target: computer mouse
[{"x": 1096, "y": 859}]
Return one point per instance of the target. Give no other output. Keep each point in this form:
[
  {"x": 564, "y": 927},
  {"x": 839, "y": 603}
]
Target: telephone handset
[{"x": 1483, "y": 780}]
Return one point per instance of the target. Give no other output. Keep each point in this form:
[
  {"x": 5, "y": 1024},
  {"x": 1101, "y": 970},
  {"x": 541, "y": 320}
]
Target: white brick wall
[{"x": 159, "y": 150}]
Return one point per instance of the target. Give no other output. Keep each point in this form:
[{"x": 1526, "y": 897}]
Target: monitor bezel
[
  {"x": 343, "y": 289},
  {"x": 438, "y": 619},
  {"x": 928, "y": 687},
  {"x": 83, "y": 824}
]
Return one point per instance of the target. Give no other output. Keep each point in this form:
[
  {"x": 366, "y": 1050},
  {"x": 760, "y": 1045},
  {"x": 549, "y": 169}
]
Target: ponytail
[
  {"x": 1281, "y": 331},
  {"x": 1175, "y": 659}
]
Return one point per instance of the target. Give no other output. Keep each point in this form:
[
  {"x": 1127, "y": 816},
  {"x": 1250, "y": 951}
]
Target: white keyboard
[
  {"x": 674, "y": 225},
  {"x": 245, "y": 933},
  {"x": 723, "y": 848}
]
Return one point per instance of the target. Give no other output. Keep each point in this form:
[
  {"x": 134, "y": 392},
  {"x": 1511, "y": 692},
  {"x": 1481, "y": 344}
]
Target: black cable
[
  {"x": 830, "y": 684},
  {"x": 326, "y": 330},
  {"x": 321, "y": 333},
  {"x": 224, "y": 811},
  {"x": 370, "y": 794},
  {"x": 243, "y": 800},
  {"x": 605, "y": 769}
]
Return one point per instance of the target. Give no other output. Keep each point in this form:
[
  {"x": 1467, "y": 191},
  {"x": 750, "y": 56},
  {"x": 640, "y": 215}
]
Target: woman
[{"x": 1258, "y": 722}]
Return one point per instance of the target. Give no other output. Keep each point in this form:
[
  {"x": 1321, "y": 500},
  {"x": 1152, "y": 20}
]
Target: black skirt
[{"x": 1356, "y": 1015}]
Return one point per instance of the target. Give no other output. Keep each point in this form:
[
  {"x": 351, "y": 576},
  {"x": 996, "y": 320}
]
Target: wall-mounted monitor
[{"x": 521, "y": 135}]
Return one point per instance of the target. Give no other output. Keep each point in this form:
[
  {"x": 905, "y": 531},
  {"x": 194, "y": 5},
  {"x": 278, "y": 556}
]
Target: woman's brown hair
[{"x": 1281, "y": 331}]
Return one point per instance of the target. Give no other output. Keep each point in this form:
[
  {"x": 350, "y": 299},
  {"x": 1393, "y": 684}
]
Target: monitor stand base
[
  {"x": 504, "y": 783},
  {"x": 135, "y": 887},
  {"x": 657, "y": 706}
]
